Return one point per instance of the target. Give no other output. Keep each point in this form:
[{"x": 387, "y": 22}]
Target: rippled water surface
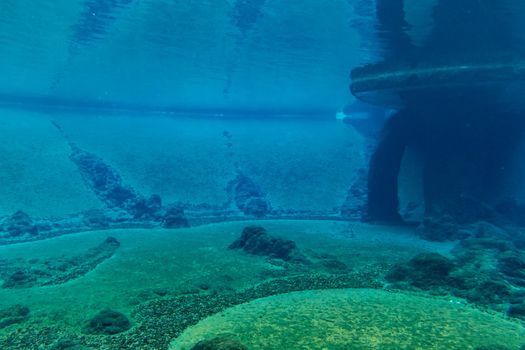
[{"x": 227, "y": 54}]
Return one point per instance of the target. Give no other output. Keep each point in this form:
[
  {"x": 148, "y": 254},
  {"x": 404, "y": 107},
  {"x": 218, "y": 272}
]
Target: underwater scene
[{"x": 262, "y": 174}]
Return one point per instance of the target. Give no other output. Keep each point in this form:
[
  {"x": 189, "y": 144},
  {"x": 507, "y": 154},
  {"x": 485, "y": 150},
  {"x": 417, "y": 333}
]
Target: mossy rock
[
  {"x": 257, "y": 241},
  {"x": 424, "y": 271},
  {"x": 485, "y": 292},
  {"x": 108, "y": 322}
]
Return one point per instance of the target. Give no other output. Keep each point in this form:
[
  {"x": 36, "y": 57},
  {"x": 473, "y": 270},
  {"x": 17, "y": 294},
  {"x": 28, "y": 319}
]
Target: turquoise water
[
  {"x": 180, "y": 54},
  {"x": 262, "y": 174}
]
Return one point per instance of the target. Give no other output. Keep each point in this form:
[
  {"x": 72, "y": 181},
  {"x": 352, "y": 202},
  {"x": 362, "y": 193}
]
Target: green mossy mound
[
  {"x": 256, "y": 240},
  {"x": 108, "y": 322},
  {"x": 424, "y": 271},
  {"x": 355, "y": 319}
]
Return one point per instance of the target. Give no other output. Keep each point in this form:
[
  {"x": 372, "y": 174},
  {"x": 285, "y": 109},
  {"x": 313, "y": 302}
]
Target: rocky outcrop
[
  {"x": 256, "y": 240},
  {"x": 174, "y": 218},
  {"x": 19, "y": 224},
  {"x": 486, "y": 268},
  {"x": 248, "y": 196},
  {"x": 108, "y": 322},
  {"x": 424, "y": 271},
  {"x": 108, "y": 186},
  {"x": 59, "y": 270}
]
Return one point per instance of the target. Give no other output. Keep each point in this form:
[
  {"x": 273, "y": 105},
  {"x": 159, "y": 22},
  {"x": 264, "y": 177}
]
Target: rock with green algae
[
  {"x": 53, "y": 271},
  {"x": 108, "y": 322},
  {"x": 20, "y": 223},
  {"x": 15, "y": 314},
  {"x": 488, "y": 292},
  {"x": 512, "y": 266},
  {"x": 424, "y": 271},
  {"x": 257, "y": 241},
  {"x": 248, "y": 196},
  {"x": 174, "y": 218},
  {"x": 441, "y": 275}
]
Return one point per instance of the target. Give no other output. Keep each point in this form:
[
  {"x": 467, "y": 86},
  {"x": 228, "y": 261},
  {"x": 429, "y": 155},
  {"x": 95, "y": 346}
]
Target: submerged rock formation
[
  {"x": 33, "y": 272},
  {"x": 486, "y": 268},
  {"x": 108, "y": 322},
  {"x": 108, "y": 186},
  {"x": 248, "y": 196},
  {"x": 425, "y": 271},
  {"x": 174, "y": 218},
  {"x": 20, "y": 223},
  {"x": 256, "y": 240},
  {"x": 437, "y": 274}
]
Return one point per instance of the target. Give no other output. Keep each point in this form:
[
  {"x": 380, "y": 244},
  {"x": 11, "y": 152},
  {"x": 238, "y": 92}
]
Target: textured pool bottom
[
  {"x": 197, "y": 275},
  {"x": 355, "y": 319}
]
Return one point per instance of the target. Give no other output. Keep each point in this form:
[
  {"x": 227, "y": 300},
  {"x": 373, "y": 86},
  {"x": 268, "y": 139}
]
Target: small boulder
[
  {"x": 95, "y": 218},
  {"x": 174, "y": 218},
  {"x": 146, "y": 208},
  {"x": 248, "y": 196},
  {"x": 424, "y": 271},
  {"x": 256, "y": 240},
  {"x": 111, "y": 242},
  {"x": 108, "y": 322}
]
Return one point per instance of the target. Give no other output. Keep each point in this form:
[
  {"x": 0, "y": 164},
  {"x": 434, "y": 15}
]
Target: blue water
[{"x": 174, "y": 54}]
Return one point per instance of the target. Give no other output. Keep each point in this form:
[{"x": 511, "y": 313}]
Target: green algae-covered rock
[
  {"x": 424, "y": 271},
  {"x": 108, "y": 322}
]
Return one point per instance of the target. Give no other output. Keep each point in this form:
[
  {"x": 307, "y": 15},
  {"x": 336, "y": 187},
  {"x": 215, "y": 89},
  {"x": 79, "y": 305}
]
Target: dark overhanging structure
[{"x": 449, "y": 92}]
